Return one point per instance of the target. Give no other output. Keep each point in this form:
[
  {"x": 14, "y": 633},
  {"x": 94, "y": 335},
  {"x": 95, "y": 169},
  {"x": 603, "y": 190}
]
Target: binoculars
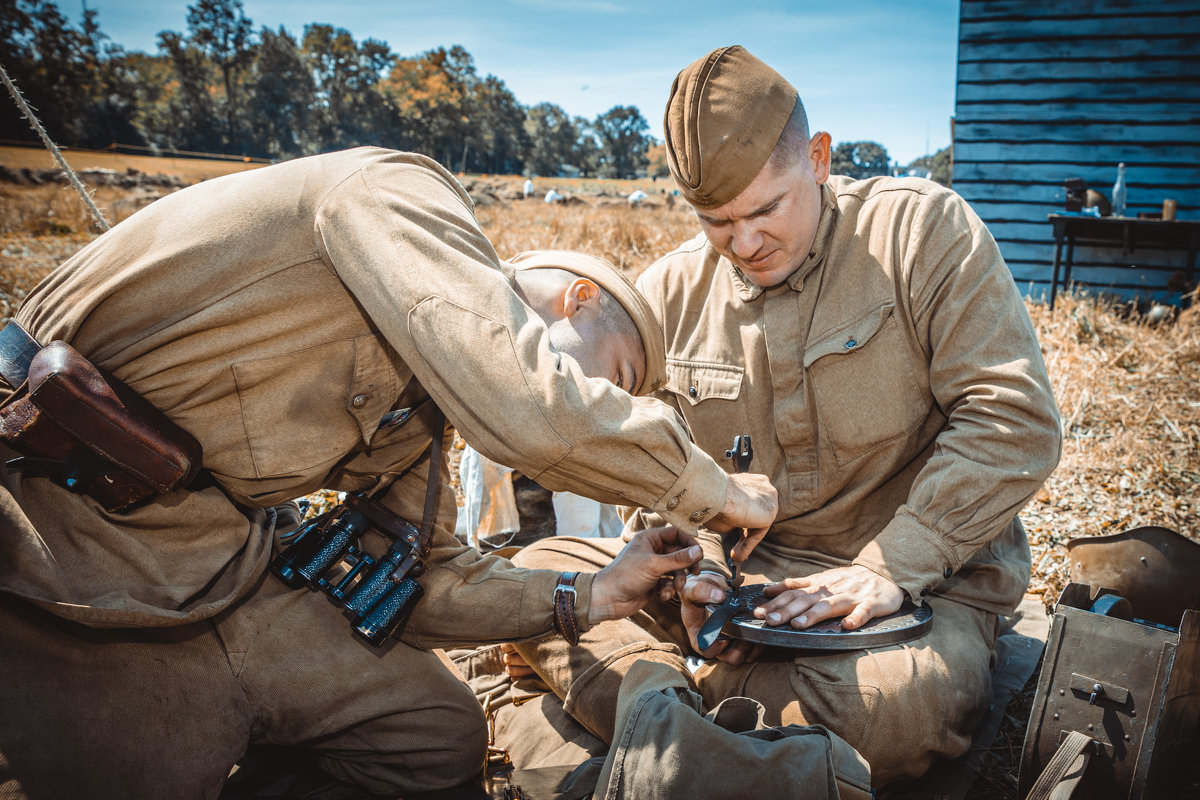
[{"x": 377, "y": 594}]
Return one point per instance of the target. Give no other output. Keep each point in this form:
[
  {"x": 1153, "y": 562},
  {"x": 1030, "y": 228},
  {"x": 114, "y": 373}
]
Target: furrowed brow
[{"x": 761, "y": 211}]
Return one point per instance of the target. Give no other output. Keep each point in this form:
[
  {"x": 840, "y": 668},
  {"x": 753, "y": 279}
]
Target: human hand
[
  {"x": 705, "y": 589},
  {"x": 656, "y": 560},
  {"x": 514, "y": 665},
  {"x": 855, "y": 593},
  {"x": 751, "y": 503}
]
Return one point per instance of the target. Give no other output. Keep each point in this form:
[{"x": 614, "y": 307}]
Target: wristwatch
[{"x": 564, "y": 607}]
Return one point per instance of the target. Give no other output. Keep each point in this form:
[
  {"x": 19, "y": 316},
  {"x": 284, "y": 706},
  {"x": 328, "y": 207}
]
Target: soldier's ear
[
  {"x": 819, "y": 155},
  {"x": 581, "y": 295}
]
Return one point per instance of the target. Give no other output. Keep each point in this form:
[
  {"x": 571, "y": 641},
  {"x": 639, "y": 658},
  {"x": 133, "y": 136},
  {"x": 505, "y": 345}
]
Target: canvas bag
[{"x": 665, "y": 748}]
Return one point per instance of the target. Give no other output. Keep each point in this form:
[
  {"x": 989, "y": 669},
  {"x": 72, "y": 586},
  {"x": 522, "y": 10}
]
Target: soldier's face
[
  {"x": 768, "y": 229},
  {"x": 601, "y": 352}
]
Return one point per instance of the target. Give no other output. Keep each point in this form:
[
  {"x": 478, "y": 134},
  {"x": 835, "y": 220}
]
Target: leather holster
[{"x": 89, "y": 432}]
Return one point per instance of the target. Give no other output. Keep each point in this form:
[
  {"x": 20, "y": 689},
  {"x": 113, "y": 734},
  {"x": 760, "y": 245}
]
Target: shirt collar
[{"x": 748, "y": 291}]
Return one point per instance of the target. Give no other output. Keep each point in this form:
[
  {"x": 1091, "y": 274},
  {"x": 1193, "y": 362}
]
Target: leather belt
[{"x": 17, "y": 349}]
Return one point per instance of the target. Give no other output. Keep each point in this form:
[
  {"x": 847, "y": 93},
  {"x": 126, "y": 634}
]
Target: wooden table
[{"x": 1127, "y": 232}]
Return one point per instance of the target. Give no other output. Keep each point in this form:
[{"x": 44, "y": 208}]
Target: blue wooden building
[{"x": 1055, "y": 89}]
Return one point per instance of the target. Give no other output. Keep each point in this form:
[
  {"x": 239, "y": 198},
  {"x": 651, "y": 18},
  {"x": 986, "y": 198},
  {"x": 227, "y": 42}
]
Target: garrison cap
[
  {"x": 723, "y": 119},
  {"x": 610, "y": 279}
]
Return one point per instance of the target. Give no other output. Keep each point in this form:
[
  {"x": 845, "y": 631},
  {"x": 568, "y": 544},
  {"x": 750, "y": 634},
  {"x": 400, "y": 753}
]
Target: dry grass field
[{"x": 1128, "y": 390}]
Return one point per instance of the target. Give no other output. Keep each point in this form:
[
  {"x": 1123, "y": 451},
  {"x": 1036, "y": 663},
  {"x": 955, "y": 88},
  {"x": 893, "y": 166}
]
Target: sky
[{"x": 879, "y": 70}]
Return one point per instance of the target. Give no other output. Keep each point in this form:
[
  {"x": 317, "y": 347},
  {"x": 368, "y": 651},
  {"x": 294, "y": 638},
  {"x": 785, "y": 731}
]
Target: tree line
[{"x": 221, "y": 86}]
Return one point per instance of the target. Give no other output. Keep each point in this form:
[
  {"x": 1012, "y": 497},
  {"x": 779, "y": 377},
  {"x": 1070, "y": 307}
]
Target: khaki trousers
[
  {"x": 901, "y": 707},
  {"x": 165, "y": 713}
]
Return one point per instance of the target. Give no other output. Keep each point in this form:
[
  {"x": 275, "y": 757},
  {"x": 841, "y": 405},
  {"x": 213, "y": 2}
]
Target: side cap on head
[
  {"x": 723, "y": 119},
  {"x": 611, "y": 280}
]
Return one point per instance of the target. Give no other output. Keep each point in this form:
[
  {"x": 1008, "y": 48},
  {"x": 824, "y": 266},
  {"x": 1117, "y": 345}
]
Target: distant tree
[
  {"x": 587, "y": 154},
  {"x": 433, "y": 94},
  {"x": 940, "y": 165},
  {"x": 46, "y": 59},
  {"x": 349, "y": 107},
  {"x": 112, "y": 96},
  {"x": 221, "y": 31},
  {"x": 621, "y": 133},
  {"x": 656, "y": 160},
  {"x": 859, "y": 159},
  {"x": 189, "y": 119},
  {"x": 282, "y": 94},
  {"x": 553, "y": 139},
  {"x": 154, "y": 83},
  {"x": 498, "y": 128}
]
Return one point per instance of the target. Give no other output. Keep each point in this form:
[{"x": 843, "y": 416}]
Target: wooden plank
[
  {"x": 1088, "y": 49},
  {"x": 1129, "y": 69},
  {"x": 1028, "y": 168},
  {"x": 1052, "y": 27},
  {"x": 992, "y": 9},
  {"x": 1097, "y": 152},
  {"x": 1110, "y": 93},
  {"x": 992, "y": 211},
  {"x": 1084, "y": 129},
  {"x": 1032, "y": 172},
  {"x": 1040, "y": 231},
  {"x": 1013, "y": 197},
  {"x": 1051, "y": 111},
  {"x": 1086, "y": 257}
]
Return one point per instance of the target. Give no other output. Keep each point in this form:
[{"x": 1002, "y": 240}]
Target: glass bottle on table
[{"x": 1118, "y": 192}]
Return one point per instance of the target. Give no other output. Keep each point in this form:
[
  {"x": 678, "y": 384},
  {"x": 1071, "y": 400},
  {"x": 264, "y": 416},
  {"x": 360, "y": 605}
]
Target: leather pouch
[{"x": 92, "y": 434}]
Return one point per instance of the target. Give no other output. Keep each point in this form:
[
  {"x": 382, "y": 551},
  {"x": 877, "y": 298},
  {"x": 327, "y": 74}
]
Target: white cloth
[
  {"x": 553, "y": 196},
  {"x": 490, "y": 507}
]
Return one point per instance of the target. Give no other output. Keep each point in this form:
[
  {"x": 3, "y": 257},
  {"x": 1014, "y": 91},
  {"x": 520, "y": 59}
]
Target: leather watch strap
[{"x": 564, "y": 607}]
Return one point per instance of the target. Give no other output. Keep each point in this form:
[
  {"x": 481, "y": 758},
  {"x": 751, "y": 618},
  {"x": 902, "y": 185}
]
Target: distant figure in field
[
  {"x": 635, "y": 199},
  {"x": 553, "y": 196},
  {"x": 527, "y": 189}
]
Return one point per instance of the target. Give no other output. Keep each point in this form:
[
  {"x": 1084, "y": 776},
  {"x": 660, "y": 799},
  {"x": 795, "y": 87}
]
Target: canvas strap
[{"x": 1064, "y": 771}]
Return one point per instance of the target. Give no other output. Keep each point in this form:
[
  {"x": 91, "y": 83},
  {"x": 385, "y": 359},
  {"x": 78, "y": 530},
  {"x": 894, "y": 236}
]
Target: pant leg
[
  {"x": 526, "y": 718},
  {"x": 588, "y": 676},
  {"x": 114, "y": 713},
  {"x": 390, "y": 720},
  {"x": 901, "y": 706}
]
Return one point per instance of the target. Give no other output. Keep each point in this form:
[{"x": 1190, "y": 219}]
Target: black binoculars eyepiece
[
  {"x": 377, "y": 596},
  {"x": 317, "y": 546},
  {"x": 389, "y": 613}
]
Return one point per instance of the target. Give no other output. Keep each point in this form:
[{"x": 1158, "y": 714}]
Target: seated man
[
  {"x": 307, "y": 323},
  {"x": 869, "y": 338}
]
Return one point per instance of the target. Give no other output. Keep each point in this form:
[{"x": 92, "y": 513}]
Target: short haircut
[
  {"x": 793, "y": 141},
  {"x": 616, "y": 319}
]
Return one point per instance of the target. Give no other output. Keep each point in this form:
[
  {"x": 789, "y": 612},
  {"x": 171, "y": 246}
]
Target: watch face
[{"x": 910, "y": 622}]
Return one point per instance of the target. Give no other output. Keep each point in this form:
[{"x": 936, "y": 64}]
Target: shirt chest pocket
[
  {"x": 311, "y": 407},
  {"x": 707, "y": 397},
  {"x": 865, "y": 384}
]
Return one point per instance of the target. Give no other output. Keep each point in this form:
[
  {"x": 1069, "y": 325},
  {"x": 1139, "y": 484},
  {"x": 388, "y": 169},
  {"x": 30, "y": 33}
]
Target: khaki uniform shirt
[
  {"x": 893, "y": 388},
  {"x": 287, "y": 317}
]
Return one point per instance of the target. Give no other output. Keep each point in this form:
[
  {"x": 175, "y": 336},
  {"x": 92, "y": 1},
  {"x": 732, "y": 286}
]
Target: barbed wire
[{"x": 27, "y": 112}]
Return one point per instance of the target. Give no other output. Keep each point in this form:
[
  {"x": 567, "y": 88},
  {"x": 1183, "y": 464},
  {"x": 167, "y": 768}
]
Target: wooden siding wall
[{"x": 1053, "y": 89}]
